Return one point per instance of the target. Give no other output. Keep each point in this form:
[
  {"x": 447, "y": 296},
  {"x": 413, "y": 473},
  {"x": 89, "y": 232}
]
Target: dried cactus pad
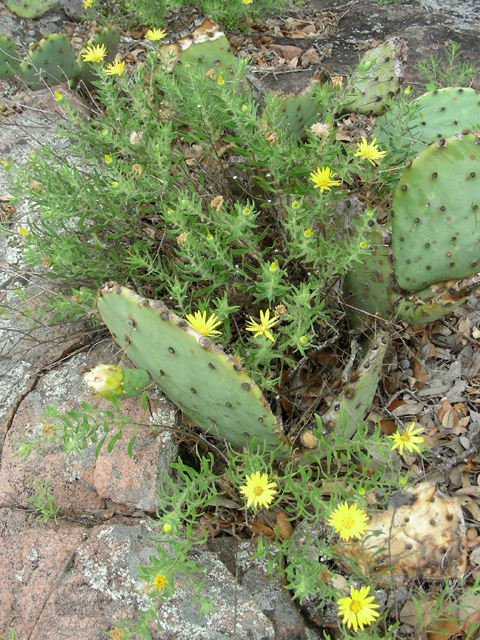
[
  {"x": 193, "y": 372},
  {"x": 421, "y": 533},
  {"x": 436, "y": 226}
]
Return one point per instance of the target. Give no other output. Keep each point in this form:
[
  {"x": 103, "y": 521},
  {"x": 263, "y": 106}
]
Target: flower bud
[{"x": 105, "y": 379}]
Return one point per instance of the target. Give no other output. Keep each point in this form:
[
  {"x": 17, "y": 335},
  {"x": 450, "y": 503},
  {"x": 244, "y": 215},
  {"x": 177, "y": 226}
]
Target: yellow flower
[
  {"x": 87, "y": 3},
  {"x": 273, "y": 266},
  {"x": 155, "y": 34},
  {"x": 94, "y": 53},
  {"x": 4, "y": 163},
  {"x": 220, "y": 80},
  {"x": 407, "y": 439},
  {"x": 323, "y": 179},
  {"x": 258, "y": 490},
  {"x": 200, "y": 323},
  {"x": 358, "y": 610},
  {"x": 247, "y": 1},
  {"x": 295, "y": 204},
  {"x": 348, "y": 521},
  {"x": 159, "y": 581},
  {"x": 263, "y": 327},
  {"x": 115, "y": 68},
  {"x": 407, "y": 90},
  {"x": 58, "y": 96},
  {"x": 108, "y": 159},
  {"x": 307, "y": 233},
  {"x": 167, "y": 527},
  {"x": 23, "y": 232},
  {"x": 369, "y": 151},
  {"x": 363, "y": 244}
]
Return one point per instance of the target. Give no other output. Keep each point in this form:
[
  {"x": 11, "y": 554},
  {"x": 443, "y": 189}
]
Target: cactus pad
[
  {"x": 195, "y": 374},
  {"x": 134, "y": 382},
  {"x": 9, "y": 61},
  {"x": 110, "y": 37},
  {"x": 349, "y": 407},
  {"x": 442, "y": 114},
  {"x": 297, "y": 111},
  {"x": 204, "y": 48},
  {"x": 31, "y": 9},
  {"x": 435, "y": 229},
  {"x": 377, "y": 77},
  {"x": 51, "y": 62},
  {"x": 424, "y": 535}
]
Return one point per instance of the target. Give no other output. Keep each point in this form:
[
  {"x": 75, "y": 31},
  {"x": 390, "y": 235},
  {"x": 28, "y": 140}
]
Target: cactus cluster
[
  {"x": 31, "y": 9},
  {"x": 52, "y": 60}
]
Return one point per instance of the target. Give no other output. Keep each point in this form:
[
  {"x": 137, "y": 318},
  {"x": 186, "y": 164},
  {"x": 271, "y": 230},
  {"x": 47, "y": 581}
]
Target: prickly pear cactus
[
  {"x": 204, "y": 48},
  {"x": 297, "y": 111},
  {"x": 350, "y": 406},
  {"x": 435, "y": 230},
  {"x": 110, "y": 37},
  {"x": 195, "y": 374},
  {"x": 442, "y": 113},
  {"x": 51, "y": 62},
  {"x": 9, "y": 60},
  {"x": 31, "y": 9},
  {"x": 377, "y": 77},
  {"x": 422, "y": 532}
]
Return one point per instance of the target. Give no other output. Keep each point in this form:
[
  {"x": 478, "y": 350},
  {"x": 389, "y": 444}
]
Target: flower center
[
  {"x": 355, "y": 606},
  {"x": 405, "y": 437},
  {"x": 347, "y": 522},
  {"x": 258, "y": 491}
]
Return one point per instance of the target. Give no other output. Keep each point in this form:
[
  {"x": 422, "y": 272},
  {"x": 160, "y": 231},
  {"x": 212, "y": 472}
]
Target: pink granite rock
[
  {"x": 286, "y": 51},
  {"x": 311, "y": 57}
]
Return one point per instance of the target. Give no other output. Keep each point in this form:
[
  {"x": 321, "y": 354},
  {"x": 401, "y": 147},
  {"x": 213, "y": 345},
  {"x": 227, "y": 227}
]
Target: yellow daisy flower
[
  {"x": 94, "y": 53},
  {"x": 58, "y": 96},
  {"x": 220, "y": 80},
  {"x": 200, "y": 323},
  {"x": 159, "y": 581},
  {"x": 322, "y": 178},
  {"x": 247, "y": 1},
  {"x": 348, "y": 521},
  {"x": 23, "y": 232},
  {"x": 262, "y": 328},
  {"x": 108, "y": 159},
  {"x": 370, "y": 151},
  {"x": 115, "y": 68},
  {"x": 155, "y": 34},
  {"x": 407, "y": 439},
  {"x": 258, "y": 491},
  {"x": 87, "y": 3},
  {"x": 358, "y": 610}
]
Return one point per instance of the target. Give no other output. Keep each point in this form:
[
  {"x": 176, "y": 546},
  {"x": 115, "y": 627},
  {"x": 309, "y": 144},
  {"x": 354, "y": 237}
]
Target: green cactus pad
[
  {"x": 134, "y": 382},
  {"x": 110, "y": 37},
  {"x": 51, "y": 62},
  {"x": 295, "y": 112},
  {"x": 377, "y": 77},
  {"x": 31, "y": 9},
  {"x": 9, "y": 60},
  {"x": 204, "y": 48},
  {"x": 436, "y": 225},
  {"x": 195, "y": 373},
  {"x": 442, "y": 114},
  {"x": 350, "y": 406},
  {"x": 369, "y": 288}
]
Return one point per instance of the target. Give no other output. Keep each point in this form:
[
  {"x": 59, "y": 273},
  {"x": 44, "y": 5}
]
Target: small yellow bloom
[
  {"x": 58, "y": 96},
  {"x": 167, "y": 527},
  {"x": 358, "y": 610},
  {"x": 104, "y": 132},
  {"x": 23, "y": 232},
  {"x": 107, "y": 158},
  {"x": 114, "y": 184},
  {"x": 322, "y": 178},
  {"x": 273, "y": 266},
  {"x": 247, "y": 1},
  {"x": 220, "y": 80},
  {"x": 407, "y": 90},
  {"x": 370, "y": 151},
  {"x": 94, "y": 53},
  {"x": 258, "y": 491},
  {"x": 303, "y": 340},
  {"x": 247, "y": 211},
  {"x": 307, "y": 233},
  {"x": 262, "y": 328},
  {"x": 87, "y": 3},
  {"x": 4, "y": 163},
  {"x": 115, "y": 68},
  {"x": 348, "y": 521},
  {"x": 200, "y": 323},
  {"x": 155, "y": 34},
  {"x": 363, "y": 244},
  {"x": 295, "y": 204},
  {"x": 407, "y": 439},
  {"x": 159, "y": 581}
]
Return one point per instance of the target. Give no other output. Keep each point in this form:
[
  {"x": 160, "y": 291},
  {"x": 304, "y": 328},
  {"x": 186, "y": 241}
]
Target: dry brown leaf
[
  {"x": 408, "y": 409},
  {"x": 446, "y": 406},
  {"x": 469, "y": 491},
  {"x": 450, "y": 419},
  {"x": 262, "y": 530},
  {"x": 388, "y": 427},
  {"x": 285, "y": 528},
  {"x": 419, "y": 372},
  {"x": 444, "y": 629}
]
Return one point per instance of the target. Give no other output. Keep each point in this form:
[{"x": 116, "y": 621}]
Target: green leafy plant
[
  {"x": 452, "y": 71},
  {"x": 43, "y": 502}
]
